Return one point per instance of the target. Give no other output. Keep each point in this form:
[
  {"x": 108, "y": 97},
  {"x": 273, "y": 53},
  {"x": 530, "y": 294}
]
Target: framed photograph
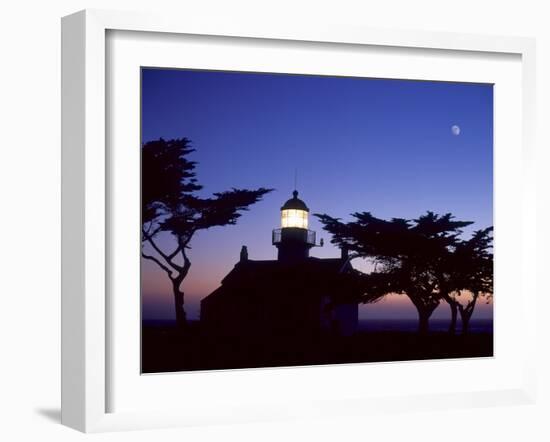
[{"x": 263, "y": 222}]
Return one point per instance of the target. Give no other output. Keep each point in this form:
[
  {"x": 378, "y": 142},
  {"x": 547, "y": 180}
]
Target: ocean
[{"x": 411, "y": 325}]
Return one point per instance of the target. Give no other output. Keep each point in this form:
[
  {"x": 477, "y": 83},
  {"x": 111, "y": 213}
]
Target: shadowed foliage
[
  {"x": 171, "y": 205},
  {"x": 472, "y": 272},
  {"x": 424, "y": 259}
]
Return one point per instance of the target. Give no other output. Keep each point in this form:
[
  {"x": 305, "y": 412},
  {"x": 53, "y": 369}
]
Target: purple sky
[{"x": 384, "y": 146}]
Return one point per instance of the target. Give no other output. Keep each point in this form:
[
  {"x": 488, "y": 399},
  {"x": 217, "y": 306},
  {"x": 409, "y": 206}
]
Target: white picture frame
[{"x": 85, "y": 200}]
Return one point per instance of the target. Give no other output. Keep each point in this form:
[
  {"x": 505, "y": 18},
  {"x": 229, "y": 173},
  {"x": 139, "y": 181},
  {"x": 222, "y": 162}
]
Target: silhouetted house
[{"x": 293, "y": 297}]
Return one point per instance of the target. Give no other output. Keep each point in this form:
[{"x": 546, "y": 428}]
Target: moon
[{"x": 455, "y": 130}]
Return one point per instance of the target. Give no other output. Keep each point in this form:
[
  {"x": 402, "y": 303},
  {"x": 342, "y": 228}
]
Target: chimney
[{"x": 244, "y": 254}]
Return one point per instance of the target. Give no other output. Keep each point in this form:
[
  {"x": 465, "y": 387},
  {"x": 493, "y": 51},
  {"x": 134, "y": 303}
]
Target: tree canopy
[
  {"x": 171, "y": 204},
  {"x": 424, "y": 258}
]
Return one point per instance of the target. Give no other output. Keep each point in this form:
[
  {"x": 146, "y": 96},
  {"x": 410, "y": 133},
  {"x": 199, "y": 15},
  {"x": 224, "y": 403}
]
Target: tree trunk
[
  {"x": 423, "y": 321},
  {"x": 454, "y": 317},
  {"x": 424, "y": 311},
  {"x": 465, "y": 326},
  {"x": 453, "y": 305},
  {"x": 466, "y": 323},
  {"x": 467, "y": 312},
  {"x": 181, "y": 317}
]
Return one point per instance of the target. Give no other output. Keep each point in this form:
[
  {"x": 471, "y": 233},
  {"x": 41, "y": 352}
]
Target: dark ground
[{"x": 165, "y": 350}]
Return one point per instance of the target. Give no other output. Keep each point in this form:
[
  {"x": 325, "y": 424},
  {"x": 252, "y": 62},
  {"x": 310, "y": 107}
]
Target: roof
[
  {"x": 271, "y": 267},
  {"x": 295, "y": 203},
  {"x": 272, "y": 276}
]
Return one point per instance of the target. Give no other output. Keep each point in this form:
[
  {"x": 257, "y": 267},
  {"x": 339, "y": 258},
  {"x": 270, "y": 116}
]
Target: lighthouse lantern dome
[{"x": 294, "y": 213}]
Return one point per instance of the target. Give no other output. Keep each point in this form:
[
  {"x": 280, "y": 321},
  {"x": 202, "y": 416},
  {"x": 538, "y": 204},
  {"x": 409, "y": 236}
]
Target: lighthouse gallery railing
[{"x": 302, "y": 234}]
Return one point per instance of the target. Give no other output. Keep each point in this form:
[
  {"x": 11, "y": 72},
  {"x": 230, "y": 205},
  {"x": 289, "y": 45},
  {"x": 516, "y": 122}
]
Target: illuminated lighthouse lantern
[
  {"x": 294, "y": 213},
  {"x": 293, "y": 240}
]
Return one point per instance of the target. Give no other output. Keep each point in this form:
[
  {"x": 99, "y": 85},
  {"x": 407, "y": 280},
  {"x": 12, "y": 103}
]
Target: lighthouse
[
  {"x": 293, "y": 240},
  {"x": 290, "y": 299}
]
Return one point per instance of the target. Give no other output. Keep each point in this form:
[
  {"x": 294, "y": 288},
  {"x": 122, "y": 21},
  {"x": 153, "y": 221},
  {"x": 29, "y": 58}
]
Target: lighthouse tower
[{"x": 293, "y": 240}]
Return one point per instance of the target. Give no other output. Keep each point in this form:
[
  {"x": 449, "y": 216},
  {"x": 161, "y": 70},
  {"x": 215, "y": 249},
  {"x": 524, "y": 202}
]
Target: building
[{"x": 295, "y": 296}]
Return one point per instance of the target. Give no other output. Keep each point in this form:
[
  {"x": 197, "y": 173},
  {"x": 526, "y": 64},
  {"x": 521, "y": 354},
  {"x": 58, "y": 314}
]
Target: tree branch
[
  {"x": 161, "y": 253},
  {"x": 174, "y": 253},
  {"x": 160, "y": 264},
  {"x": 186, "y": 264}
]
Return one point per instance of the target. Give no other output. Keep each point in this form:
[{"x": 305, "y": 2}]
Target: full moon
[{"x": 455, "y": 130}]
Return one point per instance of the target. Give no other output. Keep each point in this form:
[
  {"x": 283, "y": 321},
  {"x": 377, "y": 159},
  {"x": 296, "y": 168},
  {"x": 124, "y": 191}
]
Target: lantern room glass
[{"x": 294, "y": 218}]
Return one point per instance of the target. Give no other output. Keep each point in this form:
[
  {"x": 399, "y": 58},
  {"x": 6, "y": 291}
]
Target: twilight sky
[{"x": 384, "y": 146}]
